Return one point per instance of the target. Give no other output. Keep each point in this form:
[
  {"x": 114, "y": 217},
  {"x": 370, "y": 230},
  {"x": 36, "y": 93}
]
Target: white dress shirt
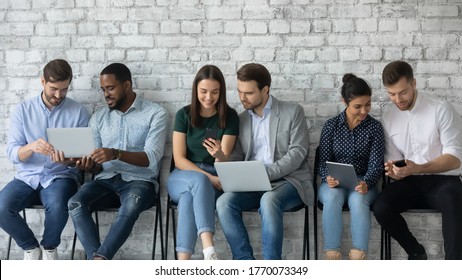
[
  {"x": 430, "y": 129},
  {"x": 260, "y": 129}
]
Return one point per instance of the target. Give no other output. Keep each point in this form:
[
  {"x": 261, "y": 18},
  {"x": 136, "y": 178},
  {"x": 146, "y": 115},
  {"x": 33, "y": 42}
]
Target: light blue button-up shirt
[
  {"x": 260, "y": 129},
  {"x": 142, "y": 128},
  {"x": 29, "y": 123}
]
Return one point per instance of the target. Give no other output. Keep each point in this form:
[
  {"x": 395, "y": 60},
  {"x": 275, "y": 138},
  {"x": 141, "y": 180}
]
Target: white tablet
[
  {"x": 75, "y": 142},
  {"x": 243, "y": 176},
  {"x": 344, "y": 173}
]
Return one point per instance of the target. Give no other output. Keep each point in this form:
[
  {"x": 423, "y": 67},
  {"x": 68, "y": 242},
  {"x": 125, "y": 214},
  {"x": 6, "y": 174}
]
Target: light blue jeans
[
  {"x": 17, "y": 195},
  {"x": 271, "y": 206},
  {"x": 195, "y": 195},
  {"x": 133, "y": 197},
  {"x": 360, "y": 222}
]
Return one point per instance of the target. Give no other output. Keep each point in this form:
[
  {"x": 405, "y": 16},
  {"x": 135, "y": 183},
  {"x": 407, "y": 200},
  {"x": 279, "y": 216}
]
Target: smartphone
[
  {"x": 211, "y": 133},
  {"x": 400, "y": 163}
]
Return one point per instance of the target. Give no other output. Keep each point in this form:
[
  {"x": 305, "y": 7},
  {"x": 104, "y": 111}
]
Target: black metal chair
[
  {"x": 171, "y": 209},
  {"x": 157, "y": 223}
]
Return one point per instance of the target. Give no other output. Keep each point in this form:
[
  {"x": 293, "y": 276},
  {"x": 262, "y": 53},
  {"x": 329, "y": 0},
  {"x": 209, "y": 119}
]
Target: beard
[
  {"x": 117, "y": 103},
  {"x": 52, "y": 100}
]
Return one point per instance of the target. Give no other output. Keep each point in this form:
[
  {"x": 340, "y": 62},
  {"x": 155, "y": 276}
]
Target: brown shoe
[
  {"x": 356, "y": 254},
  {"x": 333, "y": 255}
]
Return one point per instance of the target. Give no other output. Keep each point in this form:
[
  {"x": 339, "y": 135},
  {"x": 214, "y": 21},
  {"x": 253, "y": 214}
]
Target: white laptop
[
  {"x": 243, "y": 176},
  {"x": 344, "y": 173},
  {"x": 75, "y": 142}
]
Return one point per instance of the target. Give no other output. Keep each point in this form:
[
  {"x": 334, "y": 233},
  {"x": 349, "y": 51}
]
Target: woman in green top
[{"x": 204, "y": 132}]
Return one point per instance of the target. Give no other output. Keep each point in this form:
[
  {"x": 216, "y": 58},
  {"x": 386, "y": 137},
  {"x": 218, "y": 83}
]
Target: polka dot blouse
[{"x": 363, "y": 147}]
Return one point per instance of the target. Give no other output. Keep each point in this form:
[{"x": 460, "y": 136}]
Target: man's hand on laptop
[
  {"x": 86, "y": 163},
  {"x": 101, "y": 155},
  {"x": 58, "y": 157},
  {"x": 41, "y": 146}
]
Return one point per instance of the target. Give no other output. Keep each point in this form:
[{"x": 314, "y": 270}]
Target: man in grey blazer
[{"x": 274, "y": 132}]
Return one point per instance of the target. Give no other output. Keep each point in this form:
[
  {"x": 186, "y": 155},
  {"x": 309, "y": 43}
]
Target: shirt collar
[
  {"x": 44, "y": 106},
  {"x": 418, "y": 99},
  {"x": 343, "y": 120},
  {"x": 136, "y": 104},
  {"x": 266, "y": 109}
]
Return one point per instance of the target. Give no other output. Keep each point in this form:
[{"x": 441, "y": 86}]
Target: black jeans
[{"x": 443, "y": 193}]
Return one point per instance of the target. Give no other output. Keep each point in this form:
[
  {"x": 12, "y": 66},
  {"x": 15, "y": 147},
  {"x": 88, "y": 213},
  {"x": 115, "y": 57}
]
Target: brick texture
[{"x": 307, "y": 45}]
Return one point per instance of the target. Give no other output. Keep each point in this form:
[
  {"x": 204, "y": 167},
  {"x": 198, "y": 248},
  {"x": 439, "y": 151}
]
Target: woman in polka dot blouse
[{"x": 355, "y": 138}]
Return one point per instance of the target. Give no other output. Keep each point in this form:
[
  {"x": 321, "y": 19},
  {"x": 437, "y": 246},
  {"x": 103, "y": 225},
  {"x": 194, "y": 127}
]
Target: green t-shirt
[{"x": 195, "y": 152}]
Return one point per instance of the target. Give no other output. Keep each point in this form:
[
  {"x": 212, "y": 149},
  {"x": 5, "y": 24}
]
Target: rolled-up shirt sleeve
[
  {"x": 450, "y": 130},
  {"x": 155, "y": 140}
]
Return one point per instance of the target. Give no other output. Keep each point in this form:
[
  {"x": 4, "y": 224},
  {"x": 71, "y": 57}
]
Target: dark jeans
[
  {"x": 443, "y": 193},
  {"x": 18, "y": 195},
  {"x": 133, "y": 197}
]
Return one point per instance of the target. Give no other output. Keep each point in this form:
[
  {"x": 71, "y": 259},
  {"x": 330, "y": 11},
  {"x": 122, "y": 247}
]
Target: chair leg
[
  {"x": 385, "y": 245},
  {"x": 388, "y": 246},
  {"x": 174, "y": 233},
  {"x": 167, "y": 220},
  {"x": 97, "y": 225},
  {"x": 9, "y": 248},
  {"x": 315, "y": 231},
  {"x": 10, "y": 239},
  {"x": 382, "y": 245},
  {"x": 158, "y": 219},
  {"x": 154, "y": 236},
  {"x": 306, "y": 236},
  {"x": 74, "y": 242},
  {"x": 161, "y": 233}
]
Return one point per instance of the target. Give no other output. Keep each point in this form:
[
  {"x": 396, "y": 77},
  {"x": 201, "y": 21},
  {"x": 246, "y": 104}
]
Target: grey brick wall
[{"x": 307, "y": 45}]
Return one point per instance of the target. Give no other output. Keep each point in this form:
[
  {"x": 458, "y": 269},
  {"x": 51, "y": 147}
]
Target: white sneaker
[
  {"x": 33, "y": 254},
  {"x": 50, "y": 254},
  {"x": 213, "y": 257}
]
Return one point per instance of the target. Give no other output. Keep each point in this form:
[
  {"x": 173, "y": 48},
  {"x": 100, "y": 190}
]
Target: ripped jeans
[{"x": 133, "y": 198}]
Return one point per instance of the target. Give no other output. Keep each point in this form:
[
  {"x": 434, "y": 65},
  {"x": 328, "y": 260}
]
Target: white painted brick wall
[{"x": 307, "y": 44}]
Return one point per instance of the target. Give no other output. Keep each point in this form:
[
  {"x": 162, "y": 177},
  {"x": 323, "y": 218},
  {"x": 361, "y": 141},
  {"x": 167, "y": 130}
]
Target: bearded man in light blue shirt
[
  {"x": 42, "y": 176},
  {"x": 130, "y": 136}
]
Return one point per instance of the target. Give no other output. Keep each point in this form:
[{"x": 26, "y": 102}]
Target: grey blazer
[{"x": 289, "y": 146}]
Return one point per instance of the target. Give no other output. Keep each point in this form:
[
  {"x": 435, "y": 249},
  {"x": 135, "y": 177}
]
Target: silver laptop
[
  {"x": 344, "y": 173},
  {"x": 75, "y": 142},
  {"x": 243, "y": 176}
]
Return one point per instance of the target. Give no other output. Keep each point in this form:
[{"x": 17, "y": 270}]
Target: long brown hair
[{"x": 209, "y": 72}]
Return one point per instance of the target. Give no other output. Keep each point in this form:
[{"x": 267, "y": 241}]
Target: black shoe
[{"x": 419, "y": 255}]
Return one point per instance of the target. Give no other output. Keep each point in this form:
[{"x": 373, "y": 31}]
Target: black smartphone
[
  {"x": 400, "y": 163},
  {"x": 211, "y": 133}
]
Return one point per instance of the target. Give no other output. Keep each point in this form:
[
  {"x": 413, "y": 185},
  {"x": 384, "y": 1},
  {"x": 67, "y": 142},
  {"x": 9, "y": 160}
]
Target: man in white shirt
[{"x": 427, "y": 133}]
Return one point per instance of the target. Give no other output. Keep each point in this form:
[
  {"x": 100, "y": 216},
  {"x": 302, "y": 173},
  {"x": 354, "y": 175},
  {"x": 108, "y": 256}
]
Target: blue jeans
[
  {"x": 360, "y": 222},
  {"x": 271, "y": 206},
  {"x": 133, "y": 197},
  {"x": 194, "y": 194},
  {"x": 17, "y": 195}
]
